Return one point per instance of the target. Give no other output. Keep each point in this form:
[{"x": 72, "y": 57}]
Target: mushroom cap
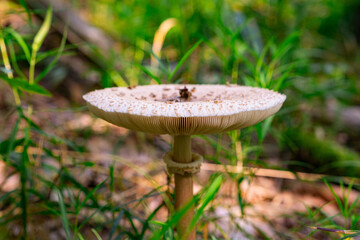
[{"x": 159, "y": 109}]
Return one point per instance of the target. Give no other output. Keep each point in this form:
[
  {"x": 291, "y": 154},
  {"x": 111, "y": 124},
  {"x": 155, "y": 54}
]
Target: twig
[{"x": 258, "y": 172}]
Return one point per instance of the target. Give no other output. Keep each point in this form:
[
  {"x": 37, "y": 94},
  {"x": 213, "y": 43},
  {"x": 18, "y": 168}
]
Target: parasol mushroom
[{"x": 182, "y": 111}]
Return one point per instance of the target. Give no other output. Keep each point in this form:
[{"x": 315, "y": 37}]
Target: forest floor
[{"x": 273, "y": 208}]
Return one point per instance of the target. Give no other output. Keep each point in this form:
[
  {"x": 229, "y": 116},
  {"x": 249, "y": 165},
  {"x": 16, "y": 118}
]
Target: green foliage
[
  {"x": 51, "y": 65},
  {"x": 170, "y": 74},
  {"x": 63, "y": 215},
  {"x": 25, "y": 85},
  {"x": 183, "y": 59},
  {"x": 202, "y": 200},
  {"x": 20, "y": 40},
  {"x": 147, "y": 71},
  {"x": 21, "y": 161},
  {"x": 325, "y": 155},
  {"x": 348, "y": 211}
]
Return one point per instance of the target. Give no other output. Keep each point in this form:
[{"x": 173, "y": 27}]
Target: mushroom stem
[{"x": 183, "y": 186}]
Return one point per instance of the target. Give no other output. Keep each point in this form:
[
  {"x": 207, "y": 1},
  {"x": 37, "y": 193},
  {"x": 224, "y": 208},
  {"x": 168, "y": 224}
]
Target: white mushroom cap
[{"x": 159, "y": 109}]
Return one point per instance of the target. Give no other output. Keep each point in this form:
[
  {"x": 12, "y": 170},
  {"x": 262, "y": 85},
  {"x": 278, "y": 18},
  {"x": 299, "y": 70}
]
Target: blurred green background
[{"x": 307, "y": 49}]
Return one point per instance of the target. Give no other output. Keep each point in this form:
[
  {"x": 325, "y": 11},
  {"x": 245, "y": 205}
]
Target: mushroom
[{"x": 210, "y": 109}]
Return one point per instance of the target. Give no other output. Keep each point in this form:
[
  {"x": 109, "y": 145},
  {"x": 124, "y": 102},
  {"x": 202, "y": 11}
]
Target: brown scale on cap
[{"x": 185, "y": 95}]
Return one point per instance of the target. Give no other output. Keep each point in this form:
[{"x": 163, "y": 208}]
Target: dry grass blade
[{"x": 159, "y": 38}]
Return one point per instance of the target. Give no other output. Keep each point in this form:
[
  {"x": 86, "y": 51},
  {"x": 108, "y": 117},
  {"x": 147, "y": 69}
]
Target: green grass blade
[
  {"x": 350, "y": 236},
  {"x": 354, "y": 204},
  {"x": 169, "y": 235},
  {"x": 338, "y": 201},
  {"x": 240, "y": 198},
  {"x": 80, "y": 236},
  {"x": 6, "y": 195},
  {"x": 43, "y": 31},
  {"x": 183, "y": 59},
  {"x": 83, "y": 222},
  {"x": 146, "y": 224},
  {"x": 89, "y": 195},
  {"x": 28, "y": 13},
  {"x": 25, "y": 85},
  {"x": 96, "y": 234},
  {"x": 116, "y": 223},
  {"x": 129, "y": 216},
  {"x": 52, "y": 138},
  {"x": 215, "y": 144},
  {"x": 68, "y": 177},
  {"x": 286, "y": 45},
  {"x": 284, "y": 76},
  {"x": 216, "y": 50},
  {"x": 13, "y": 59},
  {"x": 263, "y": 128},
  {"x": 248, "y": 64},
  {"x": 145, "y": 70},
  {"x": 355, "y": 221},
  {"x": 63, "y": 215},
  {"x": 206, "y": 199},
  {"x": 41, "y": 56},
  {"x": 12, "y": 140},
  {"x": 70, "y": 194},
  {"x": 111, "y": 174},
  {"x": 161, "y": 64},
  {"x": 55, "y": 60},
  {"x": 260, "y": 61},
  {"x": 117, "y": 78},
  {"x": 19, "y": 39},
  {"x": 23, "y": 191}
]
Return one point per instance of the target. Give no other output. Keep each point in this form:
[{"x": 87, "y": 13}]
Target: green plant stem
[
  {"x": 32, "y": 67},
  {"x": 31, "y": 75},
  {"x": 76, "y": 225},
  {"x": 23, "y": 190},
  {"x": 183, "y": 186},
  {"x": 8, "y": 67}
]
